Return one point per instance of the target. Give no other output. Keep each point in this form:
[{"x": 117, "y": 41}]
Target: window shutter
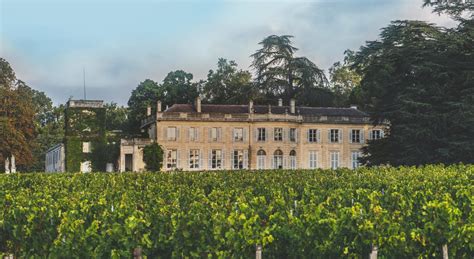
[
  {"x": 245, "y": 134},
  {"x": 246, "y": 159},
  {"x": 196, "y": 136},
  {"x": 351, "y": 133},
  {"x": 318, "y": 135},
  {"x": 329, "y": 135},
  {"x": 200, "y": 160},
  {"x": 233, "y": 134},
  {"x": 177, "y": 133},
  {"x": 340, "y": 135},
  {"x": 223, "y": 159},
  {"x": 165, "y": 133},
  {"x": 178, "y": 160},
  {"x": 296, "y": 135},
  {"x": 219, "y": 134},
  {"x": 209, "y": 160},
  {"x": 209, "y": 133},
  {"x": 285, "y": 162},
  {"x": 273, "y": 162},
  {"x": 362, "y": 140},
  {"x": 307, "y": 135},
  {"x": 266, "y": 134},
  {"x": 232, "y": 159},
  {"x": 255, "y": 134},
  {"x": 382, "y": 133}
]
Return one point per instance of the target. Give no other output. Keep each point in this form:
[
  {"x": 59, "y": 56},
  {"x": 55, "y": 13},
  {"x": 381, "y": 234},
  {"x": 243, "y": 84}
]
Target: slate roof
[{"x": 263, "y": 109}]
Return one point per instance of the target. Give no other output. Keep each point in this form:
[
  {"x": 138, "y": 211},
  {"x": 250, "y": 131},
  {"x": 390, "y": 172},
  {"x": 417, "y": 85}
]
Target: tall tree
[
  {"x": 228, "y": 85},
  {"x": 457, "y": 9},
  {"x": 178, "y": 87},
  {"x": 146, "y": 93},
  {"x": 344, "y": 80},
  {"x": 16, "y": 118},
  {"x": 282, "y": 75},
  {"x": 420, "y": 79}
]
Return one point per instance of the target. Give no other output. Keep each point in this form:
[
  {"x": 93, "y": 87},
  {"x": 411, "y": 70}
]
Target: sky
[{"x": 120, "y": 43}]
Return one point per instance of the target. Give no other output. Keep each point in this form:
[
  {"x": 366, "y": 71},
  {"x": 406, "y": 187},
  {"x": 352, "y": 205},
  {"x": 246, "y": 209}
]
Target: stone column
[{"x": 13, "y": 164}]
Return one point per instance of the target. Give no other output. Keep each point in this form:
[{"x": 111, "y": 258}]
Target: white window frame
[
  {"x": 194, "y": 158},
  {"x": 334, "y": 135},
  {"x": 261, "y": 134},
  {"x": 313, "y": 159},
  {"x": 261, "y": 161},
  {"x": 216, "y": 159},
  {"x": 293, "y": 162},
  {"x": 278, "y": 134},
  {"x": 215, "y": 134},
  {"x": 334, "y": 159},
  {"x": 313, "y": 135},
  {"x": 86, "y": 147},
  {"x": 238, "y": 159},
  {"x": 373, "y": 135},
  {"x": 238, "y": 134},
  {"x": 355, "y": 156},
  {"x": 170, "y": 164},
  {"x": 277, "y": 161},
  {"x": 356, "y": 138}
]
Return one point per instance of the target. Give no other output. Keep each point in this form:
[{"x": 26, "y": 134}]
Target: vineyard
[{"x": 406, "y": 212}]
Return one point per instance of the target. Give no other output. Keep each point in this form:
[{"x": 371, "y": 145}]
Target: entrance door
[{"x": 128, "y": 162}]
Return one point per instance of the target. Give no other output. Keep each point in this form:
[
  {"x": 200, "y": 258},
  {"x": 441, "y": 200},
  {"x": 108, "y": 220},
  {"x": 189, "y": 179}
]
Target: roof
[{"x": 263, "y": 109}]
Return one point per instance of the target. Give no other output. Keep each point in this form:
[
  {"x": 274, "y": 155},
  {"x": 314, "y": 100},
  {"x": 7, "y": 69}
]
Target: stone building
[{"x": 212, "y": 137}]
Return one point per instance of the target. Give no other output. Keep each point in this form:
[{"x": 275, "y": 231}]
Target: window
[
  {"x": 278, "y": 159},
  {"x": 194, "y": 155},
  {"x": 356, "y": 136},
  {"x": 313, "y": 159},
  {"x": 376, "y": 134},
  {"x": 86, "y": 147},
  {"x": 334, "y": 160},
  {"x": 239, "y": 134},
  {"x": 313, "y": 135},
  {"x": 292, "y": 159},
  {"x": 238, "y": 158},
  {"x": 171, "y": 159},
  {"x": 278, "y": 134},
  {"x": 171, "y": 133},
  {"x": 216, "y": 159},
  {"x": 215, "y": 134},
  {"x": 261, "y": 134},
  {"x": 292, "y": 135},
  {"x": 261, "y": 157},
  {"x": 193, "y": 134},
  {"x": 355, "y": 159},
  {"x": 334, "y": 135}
]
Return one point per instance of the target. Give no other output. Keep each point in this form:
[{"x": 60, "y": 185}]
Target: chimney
[
  {"x": 251, "y": 107},
  {"x": 269, "y": 108},
  {"x": 292, "y": 106},
  {"x": 198, "y": 104},
  {"x": 280, "y": 102},
  {"x": 158, "y": 106},
  {"x": 353, "y": 106},
  {"x": 148, "y": 110}
]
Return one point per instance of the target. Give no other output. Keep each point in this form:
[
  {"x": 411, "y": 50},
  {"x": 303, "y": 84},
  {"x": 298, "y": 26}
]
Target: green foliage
[
  {"x": 153, "y": 157},
  {"x": 228, "y": 85},
  {"x": 420, "y": 78},
  {"x": 344, "y": 80},
  {"x": 73, "y": 148},
  {"x": 456, "y": 9},
  {"x": 116, "y": 117},
  {"x": 407, "y": 212},
  {"x": 282, "y": 75},
  {"x": 17, "y": 129}
]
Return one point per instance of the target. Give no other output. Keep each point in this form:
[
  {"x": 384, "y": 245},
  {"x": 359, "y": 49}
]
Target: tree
[
  {"x": 282, "y": 75},
  {"x": 344, "y": 80},
  {"x": 454, "y": 8},
  {"x": 178, "y": 88},
  {"x": 116, "y": 117},
  {"x": 420, "y": 79},
  {"x": 228, "y": 85},
  {"x": 153, "y": 157},
  {"x": 16, "y": 119},
  {"x": 146, "y": 93}
]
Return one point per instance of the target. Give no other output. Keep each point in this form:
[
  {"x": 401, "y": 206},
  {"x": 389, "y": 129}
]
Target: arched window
[
  {"x": 278, "y": 159},
  {"x": 261, "y": 157},
  {"x": 292, "y": 159}
]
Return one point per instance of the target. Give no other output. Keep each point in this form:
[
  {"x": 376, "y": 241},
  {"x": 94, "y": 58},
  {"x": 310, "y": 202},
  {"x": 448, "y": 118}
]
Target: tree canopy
[{"x": 420, "y": 79}]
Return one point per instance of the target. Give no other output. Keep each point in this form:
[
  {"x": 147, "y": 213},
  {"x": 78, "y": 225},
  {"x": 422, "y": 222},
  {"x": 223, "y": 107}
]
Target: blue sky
[{"x": 123, "y": 42}]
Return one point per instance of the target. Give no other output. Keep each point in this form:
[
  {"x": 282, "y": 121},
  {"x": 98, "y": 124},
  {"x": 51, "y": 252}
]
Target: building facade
[
  {"x": 131, "y": 154},
  {"x": 232, "y": 137}
]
